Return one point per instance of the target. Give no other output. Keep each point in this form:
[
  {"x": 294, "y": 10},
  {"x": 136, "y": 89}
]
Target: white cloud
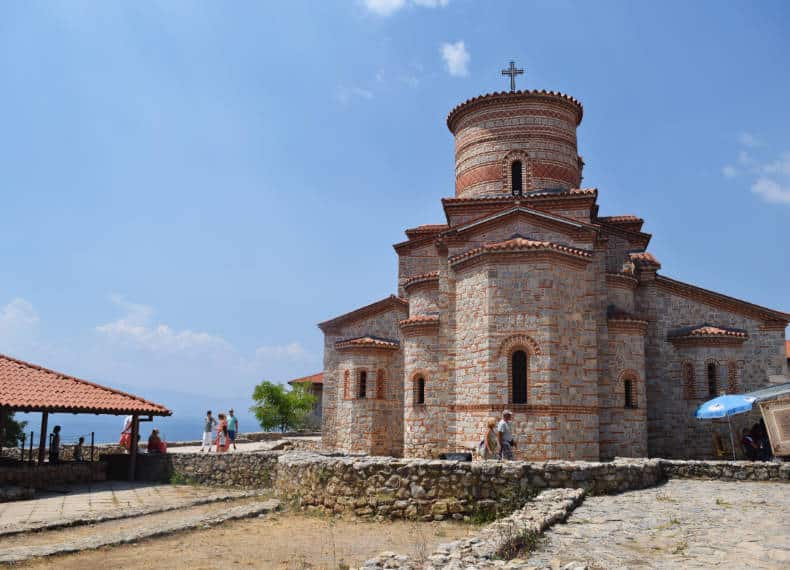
[
  {"x": 389, "y": 7},
  {"x": 456, "y": 58},
  {"x": 19, "y": 313},
  {"x": 771, "y": 191},
  {"x": 293, "y": 350},
  {"x": 770, "y": 178},
  {"x": 136, "y": 329},
  {"x": 347, "y": 95},
  {"x": 749, "y": 140}
]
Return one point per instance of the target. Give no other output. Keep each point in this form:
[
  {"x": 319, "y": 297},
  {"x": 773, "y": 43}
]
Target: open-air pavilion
[{"x": 26, "y": 387}]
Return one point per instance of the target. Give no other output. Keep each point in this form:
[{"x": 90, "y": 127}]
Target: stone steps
[{"x": 131, "y": 529}]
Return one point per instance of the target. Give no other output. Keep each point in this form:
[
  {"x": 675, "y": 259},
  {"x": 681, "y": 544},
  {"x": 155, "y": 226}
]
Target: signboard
[{"x": 776, "y": 414}]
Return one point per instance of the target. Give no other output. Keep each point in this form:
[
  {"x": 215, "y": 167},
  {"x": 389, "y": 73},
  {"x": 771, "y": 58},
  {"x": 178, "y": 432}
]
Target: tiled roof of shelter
[
  {"x": 519, "y": 243},
  {"x": 28, "y": 387},
  {"x": 368, "y": 342},
  {"x": 312, "y": 379},
  {"x": 708, "y": 331},
  {"x": 504, "y": 96},
  {"x": 379, "y": 306}
]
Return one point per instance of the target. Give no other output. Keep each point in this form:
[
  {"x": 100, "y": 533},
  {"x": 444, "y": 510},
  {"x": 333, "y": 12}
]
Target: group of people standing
[
  {"x": 498, "y": 442},
  {"x": 227, "y": 429}
]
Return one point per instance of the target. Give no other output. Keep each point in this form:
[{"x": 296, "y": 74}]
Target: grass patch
[
  {"x": 181, "y": 479},
  {"x": 722, "y": 503}
]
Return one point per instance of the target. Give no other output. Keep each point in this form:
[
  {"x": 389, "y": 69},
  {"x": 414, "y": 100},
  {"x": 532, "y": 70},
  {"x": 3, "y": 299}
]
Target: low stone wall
[
  {"x": 726, "y": 470},
  {"x": 494, "y": 543},
  {"x": 434, "y": 489},
  {"x": 41, "y": 476},
  {"x": 247, "y": 470}
]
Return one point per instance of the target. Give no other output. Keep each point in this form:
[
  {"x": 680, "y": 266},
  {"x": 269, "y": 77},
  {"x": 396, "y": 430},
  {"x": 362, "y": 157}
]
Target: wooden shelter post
[
  {"x": 42, "y": 441},
  {"x": 2, "y": 428},
  {"x": 133, "y": 446}
]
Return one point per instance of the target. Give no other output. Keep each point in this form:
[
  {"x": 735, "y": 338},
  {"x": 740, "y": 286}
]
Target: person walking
[
  {"x": 505, "y": 436},
  {"x": 54, "y": 445},
  {"x": 489, "y": 448},
  {"x": 233, "y": 429},
  {"x": 208, "y": 424},
  {"x": 79, "y": 454}
]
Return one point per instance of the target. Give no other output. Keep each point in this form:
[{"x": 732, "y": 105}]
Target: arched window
[
  {"x": 688, "y": 381},
  {"x": 516, "y": 178},
  {"x": 713, "y": 379},
  {"x": 419, "y": 391},
  {"x": 628, "y": 391},
  {"x": 519, "y": 377},
  {"x": 362, "y": 386}
]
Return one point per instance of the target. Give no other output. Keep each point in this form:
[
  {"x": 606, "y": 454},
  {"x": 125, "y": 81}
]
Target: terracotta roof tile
[
  {"x": 430, "y": 276},
  {"x": 520, "y": 244},
  {"x": 25, "y": 386},
  {"x": 617, "y": 219},
  {"x": 368, "y": 310},
  {"x": 367, "y": 342},
  {"x": 312, "y": 379},
  {"x": 510, "y": 95},
  {"x": 644, "y": 258},
  {"x": 708, "y": 331},
  {"x": 526, "y": 197},
  {"x": 420, "y": 319}
]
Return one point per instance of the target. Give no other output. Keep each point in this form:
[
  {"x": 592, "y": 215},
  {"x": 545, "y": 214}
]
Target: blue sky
[{"x": 188, "y": 188}]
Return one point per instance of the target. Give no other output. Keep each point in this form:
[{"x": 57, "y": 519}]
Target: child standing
[{"x": 222, "y": 434}]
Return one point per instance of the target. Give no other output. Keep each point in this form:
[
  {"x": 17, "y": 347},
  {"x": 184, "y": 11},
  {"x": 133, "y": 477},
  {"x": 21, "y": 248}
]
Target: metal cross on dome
[{"x": 512, "y": 71}]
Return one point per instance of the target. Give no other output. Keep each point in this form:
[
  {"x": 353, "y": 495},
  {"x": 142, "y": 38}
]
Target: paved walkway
[
  {"x": 73, "y": 504},
  {"x": 682, "y": 524}
]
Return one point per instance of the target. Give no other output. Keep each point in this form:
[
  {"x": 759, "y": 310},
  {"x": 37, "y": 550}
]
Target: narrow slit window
[
  {"x": 713, "y": 379},
  {"x": 363, "y": 385},
  {"x": 420, "y": 396},
  {"x": 519, "y": 377},
  {"x": 516, "y": 178},
  {"x": 628, "y": 389}
]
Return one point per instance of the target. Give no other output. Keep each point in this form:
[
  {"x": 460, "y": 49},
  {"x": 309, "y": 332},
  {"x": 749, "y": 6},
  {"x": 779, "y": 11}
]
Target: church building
[{"x": 527, "y": 299}]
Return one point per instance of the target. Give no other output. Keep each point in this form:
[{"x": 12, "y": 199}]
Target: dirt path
[{"x": 278, "y": 541}]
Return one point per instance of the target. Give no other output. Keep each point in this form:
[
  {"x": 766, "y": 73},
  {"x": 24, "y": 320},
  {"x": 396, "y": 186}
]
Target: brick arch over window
[
  {"x": 419, "y": 382},
  {"x": 381, "y": 387},
  {"x": 526, "y": 171},
  {"x": 687, "y": 375},
  {"x": 513, "y": 343},
  {"x": 629, "y": 380},
  {"x": 518, "y": 376}
]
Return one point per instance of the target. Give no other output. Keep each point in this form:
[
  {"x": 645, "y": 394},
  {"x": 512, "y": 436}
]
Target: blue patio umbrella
[{"x": 724, "y": 407}]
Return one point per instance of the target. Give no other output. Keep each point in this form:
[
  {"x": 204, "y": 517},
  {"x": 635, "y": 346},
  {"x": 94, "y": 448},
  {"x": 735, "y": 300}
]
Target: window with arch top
[
  {"x": 516, "y": 180},
  {"x": 630, "y": 396},
  {"x": 713, "y": 379},
  {"x": 362, "y": 386},
  {"x": 518, "y": 378},
  {"x": 419, "y": 391}
]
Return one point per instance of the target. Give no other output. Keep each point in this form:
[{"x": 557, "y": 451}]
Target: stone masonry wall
[{"x": 672, "y": 429}]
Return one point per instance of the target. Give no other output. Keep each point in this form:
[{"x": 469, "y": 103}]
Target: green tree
[
  {"x": 279, "y": 408},
  {"x": 13, "y": 431}
]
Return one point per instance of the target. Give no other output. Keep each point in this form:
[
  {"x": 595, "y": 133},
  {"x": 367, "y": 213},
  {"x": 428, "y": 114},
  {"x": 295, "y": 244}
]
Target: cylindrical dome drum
[{"x": 529, "y": 135}]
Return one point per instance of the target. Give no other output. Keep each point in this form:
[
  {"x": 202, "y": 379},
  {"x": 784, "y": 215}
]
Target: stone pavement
[
  {"x": 83, "y": 504},
  {"x": 681, "y": 524}
]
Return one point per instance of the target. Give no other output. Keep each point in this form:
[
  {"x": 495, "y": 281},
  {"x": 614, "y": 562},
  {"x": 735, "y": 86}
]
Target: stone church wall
[
  {"x": 672, "y": 429},
  {"x": 371, "y": 425},
  {"x": 417, "y": 261}
]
